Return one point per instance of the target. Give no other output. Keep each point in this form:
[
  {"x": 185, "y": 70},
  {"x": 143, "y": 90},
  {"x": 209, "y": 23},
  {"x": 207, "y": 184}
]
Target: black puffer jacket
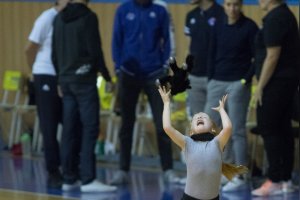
[{"x": 76, "y": 47}]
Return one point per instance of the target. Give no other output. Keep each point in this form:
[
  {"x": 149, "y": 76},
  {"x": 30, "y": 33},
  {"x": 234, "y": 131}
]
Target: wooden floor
[
  {"x": 25, "y": 179},
  {"x": 21, "y": 195}
]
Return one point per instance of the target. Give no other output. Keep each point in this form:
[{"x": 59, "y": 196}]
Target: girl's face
[{"x": 201, "y": 123}]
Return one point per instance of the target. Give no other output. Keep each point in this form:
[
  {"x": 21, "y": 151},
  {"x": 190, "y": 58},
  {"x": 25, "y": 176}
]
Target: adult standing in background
[
  {"x": 198, "y": 28},
  {"x": 172, "y": 44},
  {"x": 277, "y": 70},
  {"x": 230, "y": 72},
  {"x": 141, "y": 48},
  {"x": 199, "y": 24},
  {"x": 77, "y": 57},
  {"x": 49, "y": 107}
]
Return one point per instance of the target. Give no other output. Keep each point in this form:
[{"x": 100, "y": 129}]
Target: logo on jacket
[
  {"x": 130, "y": 16},
  {"x": 211, "y": 21},
  {"x": 152, "y": 14},
  {"x": 83, "y": 69},
  {"x": 192, "y": 21},
  {"x": 46, "y": 87}
]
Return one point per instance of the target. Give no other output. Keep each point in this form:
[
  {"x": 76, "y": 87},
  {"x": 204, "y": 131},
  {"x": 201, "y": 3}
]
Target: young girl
[{"x": 202, "y": 150}]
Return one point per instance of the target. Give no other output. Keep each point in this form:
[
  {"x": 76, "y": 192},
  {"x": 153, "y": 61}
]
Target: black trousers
[
  {"x": 187, "y": 197},
  {"x": 274, "y": 124},
  {"x": 49, "y": 107},
  {"x": 81, "y": 129},
  {"x": 130, "y": 87}
]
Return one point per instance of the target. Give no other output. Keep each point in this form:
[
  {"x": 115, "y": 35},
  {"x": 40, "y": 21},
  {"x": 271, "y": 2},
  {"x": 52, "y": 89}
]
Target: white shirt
[{"x": 42, "y": 35}]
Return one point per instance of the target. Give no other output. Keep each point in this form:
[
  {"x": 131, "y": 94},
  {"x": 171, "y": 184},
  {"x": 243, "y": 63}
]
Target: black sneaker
[{"x": 55, "y": 180}]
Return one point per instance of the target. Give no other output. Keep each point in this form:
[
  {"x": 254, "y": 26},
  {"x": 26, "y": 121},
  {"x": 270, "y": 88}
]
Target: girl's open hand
[
  {"x": 165, "y": 95},
  {"x": 221, "y": 103}
]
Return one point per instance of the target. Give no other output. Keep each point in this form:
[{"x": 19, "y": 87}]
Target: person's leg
[
  {"x": 49, "y": 107},
  {"x": 197, "y": 94},
  {"x": 72, "y": 180},
  {"x": 88, "y": 104},
  {"x": 237, "y": 106},
  {"x": 269, "y": 122},
  {"x": 288, "y": 142},
  {"x": 215, "y": 91},
  {"x": 288, "y": 153},
  {"x": 163, "y": 140},
  {"x": 130, "y": 89},
  {"x": 272, "y": 117},
  {"x": 69, "y": 141}
]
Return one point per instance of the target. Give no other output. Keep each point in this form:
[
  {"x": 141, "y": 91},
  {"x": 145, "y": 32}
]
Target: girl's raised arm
[
  {"x": 174, "y": 134},
  {"x": 226, "y": 131}
]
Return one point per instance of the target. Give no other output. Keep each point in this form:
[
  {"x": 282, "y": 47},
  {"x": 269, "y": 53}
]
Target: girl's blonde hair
[{"x": 229, "y": 170}]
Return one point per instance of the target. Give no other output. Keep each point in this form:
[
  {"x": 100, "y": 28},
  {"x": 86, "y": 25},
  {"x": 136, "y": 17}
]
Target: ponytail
[{"x": 229, "y": 170}]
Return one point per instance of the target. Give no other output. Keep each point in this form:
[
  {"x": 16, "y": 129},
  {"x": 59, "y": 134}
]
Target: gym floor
[{"x": 25, "y": 179}]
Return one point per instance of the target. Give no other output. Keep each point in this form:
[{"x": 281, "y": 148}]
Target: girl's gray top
[{"x": 204, "y": 168}]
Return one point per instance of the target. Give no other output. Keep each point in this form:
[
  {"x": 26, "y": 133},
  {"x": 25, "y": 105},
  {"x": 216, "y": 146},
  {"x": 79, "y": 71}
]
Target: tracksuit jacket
[{"x": 141, "y": 38}]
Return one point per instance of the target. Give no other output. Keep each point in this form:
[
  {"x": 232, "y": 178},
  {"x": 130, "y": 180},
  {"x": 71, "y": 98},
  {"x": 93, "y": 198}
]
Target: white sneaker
[
  {"x": 234, "y": 185},
  {"x": 288, "y": 187},
  {"x": 97, "y": 186},
  {"x": 224, "y": 180},
  {"x": 69, "y": 187},
  {"x": 170, "y": 176},
  {"x": 268, "y": 188}
]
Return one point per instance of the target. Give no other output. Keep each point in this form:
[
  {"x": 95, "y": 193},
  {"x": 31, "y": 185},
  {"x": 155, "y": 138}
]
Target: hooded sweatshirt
[{"x": 76, "y": 48}]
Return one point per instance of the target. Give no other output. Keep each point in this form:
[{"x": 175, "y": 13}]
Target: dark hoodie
[{"x": 76, "y": 47}]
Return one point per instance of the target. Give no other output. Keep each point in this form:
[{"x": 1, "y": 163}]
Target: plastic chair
[
  {"x": 11, "y": 99},
  {"x": 107, "y": 103},
  {"x": 22, "y": 109}
]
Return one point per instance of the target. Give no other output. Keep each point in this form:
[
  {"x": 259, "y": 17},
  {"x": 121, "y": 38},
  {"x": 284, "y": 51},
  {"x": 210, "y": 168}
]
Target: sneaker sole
[
  {"x": 98, "y": 190},
  {"x": 238, "y": 188},
  {"x": 265, "y": 195}
]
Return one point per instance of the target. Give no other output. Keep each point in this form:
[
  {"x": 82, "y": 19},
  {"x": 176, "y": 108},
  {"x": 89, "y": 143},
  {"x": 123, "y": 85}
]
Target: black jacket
[
  {"x": 76, "y": 46},
  {"x": 199, "y": 25}
]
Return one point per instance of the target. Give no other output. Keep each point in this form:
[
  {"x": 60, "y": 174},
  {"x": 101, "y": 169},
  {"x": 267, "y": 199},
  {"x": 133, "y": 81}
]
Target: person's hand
[
  {"x": 109, "y": 87},
  {"x": 256, "y": 98},
  {"x": 221, "y": 104},
  {"x": 165, "y": 95},
  {"x": 31, "y": 77}
]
